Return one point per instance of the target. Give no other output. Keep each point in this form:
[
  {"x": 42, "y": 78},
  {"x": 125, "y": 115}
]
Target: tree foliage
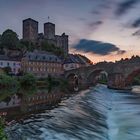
[
  {"x": 51, "y": 48},
  {"x": 7, "y": 70},
  {"x": 9, "y": 39},
  {"x": 7, "y": 81},
  {"x": 136, "y": 80},
  {"x": 28, "y": 80},
  {"x": 49, "y": 83},
  {"x": 2, "y": 127},
  {"x": 26, "y": 45}
]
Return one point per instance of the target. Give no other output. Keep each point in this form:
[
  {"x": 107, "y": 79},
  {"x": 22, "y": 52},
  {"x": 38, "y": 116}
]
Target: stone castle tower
[
  {"x": 30, "y": 33},
  {"x": 49, "y": 31},
  {"x": 30, "y": 29}
]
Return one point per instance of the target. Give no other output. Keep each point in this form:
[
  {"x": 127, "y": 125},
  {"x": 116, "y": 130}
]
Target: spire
[{"x": 48, "y": 18}]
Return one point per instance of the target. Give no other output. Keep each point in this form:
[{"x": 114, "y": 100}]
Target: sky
[{"x": 103, "y": 30}]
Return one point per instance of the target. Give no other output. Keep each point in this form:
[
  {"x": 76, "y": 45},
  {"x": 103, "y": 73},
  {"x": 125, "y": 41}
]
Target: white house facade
[{"x": 14, "y": 64}]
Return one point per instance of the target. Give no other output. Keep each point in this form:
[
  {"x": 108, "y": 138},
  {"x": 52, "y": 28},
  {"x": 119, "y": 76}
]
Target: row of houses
[{"x": 42, "y": 64}]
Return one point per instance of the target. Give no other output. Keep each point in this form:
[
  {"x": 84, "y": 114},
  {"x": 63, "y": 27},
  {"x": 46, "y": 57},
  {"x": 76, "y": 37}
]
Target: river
[{"x": 96, "y": 114}]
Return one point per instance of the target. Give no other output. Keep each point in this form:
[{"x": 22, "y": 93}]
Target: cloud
[
  {"x": 120, "y": 52},
  {"x": 136, "y": 23},
  {"x": 125, "y": 6},
  {"x": 97, "y": 47},
  {"x": 82, "y": 19},
  {"x": 137, "y": 33},
  {"x": 94, "y": 24},
  {"x": 94, "y": 12}
]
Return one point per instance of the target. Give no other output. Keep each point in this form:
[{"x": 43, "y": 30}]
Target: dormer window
[{"x": 44, "y": 57}]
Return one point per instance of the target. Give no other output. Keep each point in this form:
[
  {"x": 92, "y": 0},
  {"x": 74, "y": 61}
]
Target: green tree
[
  {"x": 2, "y": 127},
  {"x": 51, "y": 48},
  {"x": 26, "y": 45},
  {"x": 1, "y": 47},
  {"x": 136, "y": 80},
  {"x": 8, "y": 82},
  {"x": 0, "y": 40},
  {"x": 7, "y": 70},
  {"x": 9, "y": 39},
  {"x": 28, "y": 80},
  {"x": 64, "y": 85},
  {"x": 49, "y": 83}
]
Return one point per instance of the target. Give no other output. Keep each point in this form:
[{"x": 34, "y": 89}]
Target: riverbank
[
  {"x": 136, "y": 89},
  {"x": 21, "y": 113},
  {"x": 38, "y": 103}
]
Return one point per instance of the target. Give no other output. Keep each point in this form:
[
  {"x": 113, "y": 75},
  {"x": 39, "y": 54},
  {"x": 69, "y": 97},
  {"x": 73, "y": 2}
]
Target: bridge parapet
[{"x": 120, "y": 74}]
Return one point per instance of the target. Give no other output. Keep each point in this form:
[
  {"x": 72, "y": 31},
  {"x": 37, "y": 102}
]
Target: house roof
[
  {"x": 42, "y": 56},
  {"x": 73, "y": 59},
  {"x": 6, "y": 58}
]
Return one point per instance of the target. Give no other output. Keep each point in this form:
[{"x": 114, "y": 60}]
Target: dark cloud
[
  {"x": 97, "y": 47},
  {"x": 121, "y": 52},
  {"x": 94, "y": 12},
  {"x": 137, "y": 33},
  {"x": 95, "y": 24},
  {"x": 101, "y": 6},
  {"x": 125, "y": 6},
  {"x": 136, "y": 23},
  {"x": 105, "y": 5}
]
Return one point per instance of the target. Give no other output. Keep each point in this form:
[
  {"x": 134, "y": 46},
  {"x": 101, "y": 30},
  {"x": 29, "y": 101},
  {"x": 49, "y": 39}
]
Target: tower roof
[
  {"x": 30, "y": 19},
  {"x": 49, "y": 23}
]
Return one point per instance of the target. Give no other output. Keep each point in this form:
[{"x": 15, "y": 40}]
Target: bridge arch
[
  {"x": 74, "y": 81},
  {"x": 130, "y": 77},
  {"x": 96, "y": 75}
]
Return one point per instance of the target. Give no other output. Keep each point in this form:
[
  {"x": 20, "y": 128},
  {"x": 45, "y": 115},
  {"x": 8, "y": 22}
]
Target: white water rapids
[{"x": 97, "y": 114}]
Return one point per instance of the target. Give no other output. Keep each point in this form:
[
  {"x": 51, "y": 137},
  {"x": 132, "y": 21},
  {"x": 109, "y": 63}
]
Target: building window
[
  {"x": 1, "y": 63},
  {"x": 8, "y": 64},
  {"x": 44, "y": 57},
  {"x": 14, "y": 70},
  {"x": 14, "y": 64}
]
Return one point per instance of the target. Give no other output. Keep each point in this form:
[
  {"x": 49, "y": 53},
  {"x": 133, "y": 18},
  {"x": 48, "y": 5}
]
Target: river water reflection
[{"x": 96, "y": 114}]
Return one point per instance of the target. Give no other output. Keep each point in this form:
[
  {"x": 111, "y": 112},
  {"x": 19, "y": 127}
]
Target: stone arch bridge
[{"x": 120, "y": 75}]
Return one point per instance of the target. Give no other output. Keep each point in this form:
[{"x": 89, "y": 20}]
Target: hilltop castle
[{"x": 30, "y": 33}]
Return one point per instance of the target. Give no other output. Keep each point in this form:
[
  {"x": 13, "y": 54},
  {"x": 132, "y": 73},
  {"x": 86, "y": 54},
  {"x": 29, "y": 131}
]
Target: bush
[
  {"x": 2, "y": 133},
  {"x": 136, "y": 81},
  {"x": 64, "y": 85},
  {"x": 51, "y": 48},
  {"x": 7, "y": 81},
  {"x": 28, "y": 80},
  {"x": 7, "y": 70}
]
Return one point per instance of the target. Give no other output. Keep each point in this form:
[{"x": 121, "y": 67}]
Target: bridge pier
[{"x": 117, "y": 81}]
